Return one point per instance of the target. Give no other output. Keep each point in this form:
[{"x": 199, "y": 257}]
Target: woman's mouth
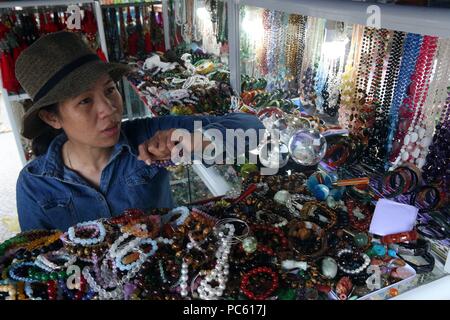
[{"x": 112, "y": 130}]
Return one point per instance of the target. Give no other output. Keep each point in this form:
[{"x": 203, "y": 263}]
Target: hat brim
[{"x": 74, "y": 84}]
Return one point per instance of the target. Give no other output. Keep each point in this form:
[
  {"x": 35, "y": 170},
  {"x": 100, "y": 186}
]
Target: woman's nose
[{"x": 105, "y": 107}]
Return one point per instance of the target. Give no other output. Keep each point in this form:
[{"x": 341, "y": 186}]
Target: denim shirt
[{"x": 51, "y": 196}]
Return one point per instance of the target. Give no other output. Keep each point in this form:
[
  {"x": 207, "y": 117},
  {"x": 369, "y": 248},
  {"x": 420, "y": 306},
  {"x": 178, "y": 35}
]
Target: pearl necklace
[{"x": 220, "y": 273}]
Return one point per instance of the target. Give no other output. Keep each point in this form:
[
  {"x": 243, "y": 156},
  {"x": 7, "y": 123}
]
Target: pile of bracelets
[{"x": 258, "y": 249}]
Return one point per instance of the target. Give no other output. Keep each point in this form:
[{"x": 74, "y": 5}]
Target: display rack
[{"x": 420, "y": 20}]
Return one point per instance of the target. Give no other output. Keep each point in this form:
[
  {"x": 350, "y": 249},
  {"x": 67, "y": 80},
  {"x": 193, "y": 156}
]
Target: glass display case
[{"x": 315, "y": 52}]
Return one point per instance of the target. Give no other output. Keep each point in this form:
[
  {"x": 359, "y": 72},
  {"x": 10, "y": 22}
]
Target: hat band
[{"x": 58, "y": 76}]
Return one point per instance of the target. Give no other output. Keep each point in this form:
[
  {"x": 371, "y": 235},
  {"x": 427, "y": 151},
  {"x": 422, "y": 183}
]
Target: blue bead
[
  {"x": 321, "y": 192},
  {"x": 379, "y": 250},
  {"x": 318, "y": 178},
  {"x": 337, "y": 193},
  {"x": 392, "y": 253}
]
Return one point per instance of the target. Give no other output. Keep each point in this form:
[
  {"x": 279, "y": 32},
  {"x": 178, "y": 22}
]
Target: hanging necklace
[
  {"x": 432, "y": 107},
  {"x": 411, "y": 50},
  {"x": 348, "y": 84},
  {"x": 415, "y": 101},
  {"x": 436, "y": 167}
]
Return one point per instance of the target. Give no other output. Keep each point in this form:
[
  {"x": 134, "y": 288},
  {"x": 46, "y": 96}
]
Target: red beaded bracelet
[
  {"x": 246, "y": 278},
  {"x": 129, "y": 216},
  {"x": 278, "y": 232}
]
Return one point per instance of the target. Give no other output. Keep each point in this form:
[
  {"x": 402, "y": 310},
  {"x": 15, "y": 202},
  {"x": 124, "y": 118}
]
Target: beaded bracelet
[
  {"x": 251, "y": 274},
  {"x": 357, "y": 270},
  {"x": 15, "y": 267},
  {"x": 337, "y": 154},
  {"x": 309, "y": 209},
  {"x": 269, "y": 218},
  {"x": 44, "y": 241},
  {"x": 126, "y": 267},
  {"x": 94, "y": 226},
  {"x": 302, "y": 230},
  {"x": 45, "y": 260},
  {"x": 181, "y": 213},
  {"x": 129, "y": 216},
  {"x": 273, "y": 231}
]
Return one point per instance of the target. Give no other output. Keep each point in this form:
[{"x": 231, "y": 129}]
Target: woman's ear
[{"x": 50, "y": 118}]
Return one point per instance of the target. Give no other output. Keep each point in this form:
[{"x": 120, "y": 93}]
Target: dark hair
[{"x": 40, "y": 144}]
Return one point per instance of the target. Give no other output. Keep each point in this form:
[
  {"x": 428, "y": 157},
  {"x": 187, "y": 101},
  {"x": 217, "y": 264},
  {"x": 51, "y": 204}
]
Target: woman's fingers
[
  {"x": 159, "y": 147},
  {"x": 144, "y": 155}
]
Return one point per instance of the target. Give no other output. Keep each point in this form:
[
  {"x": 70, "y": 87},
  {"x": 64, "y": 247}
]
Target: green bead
[
  {"x": 250, "y": 244},
  {"x": 44, "y": 277},
  {"x": 54, "y": 275},
  {"x": 361, "y": 239},
  {"x": 248, "y": 168},
  {"x": 287, "y": 294},
  {"x": 61, "y": 274}
]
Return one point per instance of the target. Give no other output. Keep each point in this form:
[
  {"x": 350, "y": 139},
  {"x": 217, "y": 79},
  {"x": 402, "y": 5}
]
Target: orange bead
[{"x": 393, "y": 292}]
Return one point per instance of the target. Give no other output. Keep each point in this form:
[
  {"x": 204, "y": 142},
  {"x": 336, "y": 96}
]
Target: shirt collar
[{"x": 53, "y": 163}]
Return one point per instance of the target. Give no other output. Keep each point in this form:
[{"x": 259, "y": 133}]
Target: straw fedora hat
[{"x": 56, "y": 67}]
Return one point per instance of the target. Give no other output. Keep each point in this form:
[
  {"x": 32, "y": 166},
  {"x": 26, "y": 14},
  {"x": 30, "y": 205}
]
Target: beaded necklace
[
  {"x": 435, "y": 100},
  {"x": 367, "y": 55},
  {"x": 292, "y": 43},
  {"x": 415, "y": 100},
  {"x": 436, "y": 167},
  {"x": 263, "y": 67},
  {"x": 311, "y": 56},
  {"x": 349, "y": 77},
  {"x": 377, "y": 107},
  {"x": 411, "y": 50}
]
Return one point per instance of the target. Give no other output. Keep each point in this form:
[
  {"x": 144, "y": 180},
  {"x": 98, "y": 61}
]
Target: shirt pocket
[
  {"x": 60, "y": 211},
  {"x": 142, "y": 175}
]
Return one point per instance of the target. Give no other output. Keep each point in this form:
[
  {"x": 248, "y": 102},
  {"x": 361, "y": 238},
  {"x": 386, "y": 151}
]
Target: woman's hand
[{"x": 160, "y": 146}]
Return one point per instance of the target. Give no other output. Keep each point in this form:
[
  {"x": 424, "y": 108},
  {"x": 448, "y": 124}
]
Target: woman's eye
[
  {"x": 85, "y": 101},
  {"x": 110, "y": 90}
]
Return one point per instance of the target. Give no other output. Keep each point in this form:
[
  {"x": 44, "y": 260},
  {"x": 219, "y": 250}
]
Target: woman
[{"x": 89, "y": 164}]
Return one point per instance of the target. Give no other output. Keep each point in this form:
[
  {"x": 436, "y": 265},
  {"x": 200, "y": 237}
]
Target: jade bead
[
  {"x": 44, "y": 277},
  {"x": 250, "y": 244},
  {"x": 361, "y": 239},
  {"x": 61, "y": 274},
  {"x": 53, "y": 275}
]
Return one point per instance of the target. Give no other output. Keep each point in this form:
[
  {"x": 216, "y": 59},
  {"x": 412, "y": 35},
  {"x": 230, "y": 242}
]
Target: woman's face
[{"x": 94, "y": 117}]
